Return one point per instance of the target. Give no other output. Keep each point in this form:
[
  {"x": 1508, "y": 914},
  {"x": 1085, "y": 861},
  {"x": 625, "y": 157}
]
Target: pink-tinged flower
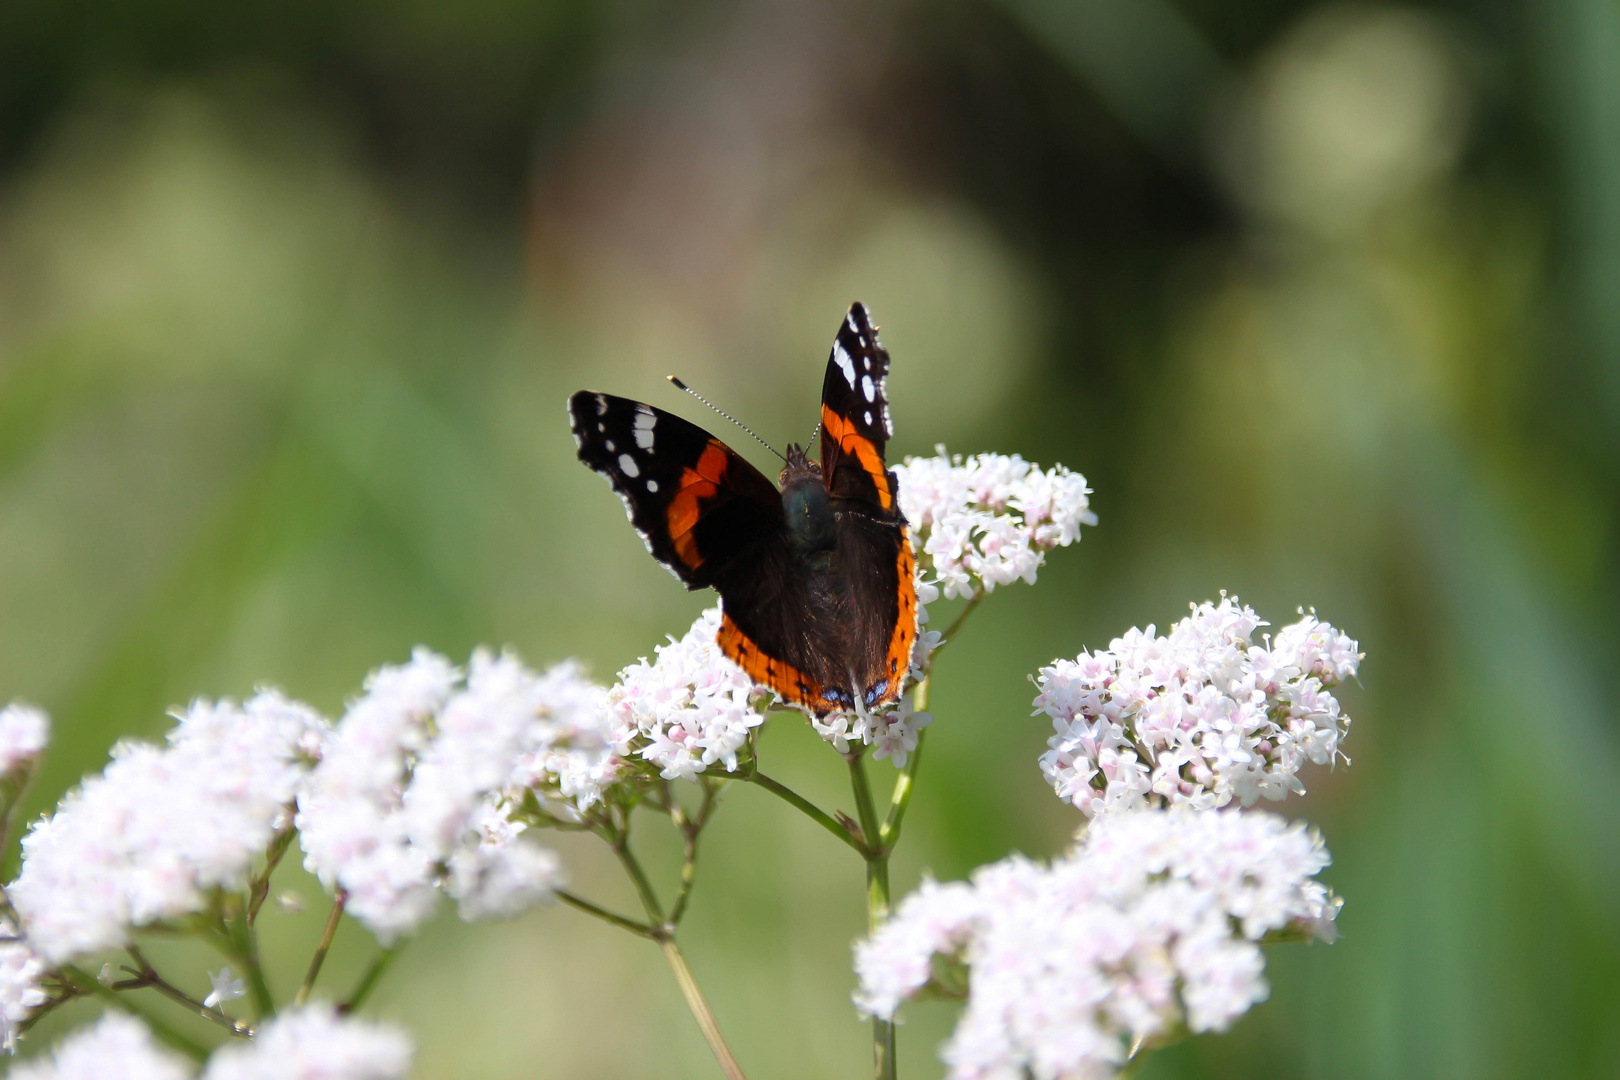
[
  {"x": 159, "y": 827},
  {"x": 1151, "y": 925},
  {"x": 24, "y": 731},
  {"x": 413, "y": 794},
  {"x": 990, "y": 519},
  {"x": 20, "y": 993},
  {"x": 1201, "y": 717},
  {"x": 116, "y": 1047},
  {"x": 690, "y": 708},
  {"x": 315, "y": 1043}
]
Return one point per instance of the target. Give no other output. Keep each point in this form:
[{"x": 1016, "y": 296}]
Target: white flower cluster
[
  {"x": 312, "y": 1043},
  {"x": 116, "y": 1047},
  {"x": 1152, "y": 923},
  {"x": 20, "y": 991},
  {"x": 149, "y": 837},
  {"x": 893, "y": 732},
  {"x": 315, "y": 1043},
  {"x": 24, "y": 731},
  {"x": 990, "y": 519},
  {"x": 412, "y": 793},
  {"x": 1200, "y": 717},
  {"x": 688, "y": 709}
]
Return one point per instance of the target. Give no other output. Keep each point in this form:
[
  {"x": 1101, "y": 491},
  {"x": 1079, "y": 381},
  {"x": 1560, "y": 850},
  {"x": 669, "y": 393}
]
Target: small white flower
[
  {"x": 410, "y": 798},
  {"x": 115, "y": 1047},
  {"x": 1200, "y": 717},
  {"x": 989, "y": 520},
  {"x": 20, "y": 992},
  {"x": 1153, "y": 922},
  {"x": 148, "y": 838},
  {"x": 689, "y": 709},
  {"x": 225, "y": 988},
  {"x": 24, "y": 731},
  {"x": 314, "y": 1043}
]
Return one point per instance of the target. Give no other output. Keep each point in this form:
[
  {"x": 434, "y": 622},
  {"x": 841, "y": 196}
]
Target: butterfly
[{"x": 816, "y": 578}]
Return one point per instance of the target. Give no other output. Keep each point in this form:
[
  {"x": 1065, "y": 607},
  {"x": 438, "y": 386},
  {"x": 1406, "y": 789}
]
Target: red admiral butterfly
[{"x": 815, "y": 580}]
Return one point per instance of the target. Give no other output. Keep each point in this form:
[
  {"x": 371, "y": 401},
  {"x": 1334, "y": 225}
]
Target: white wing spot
[
  {"x": 652, "y": 486},
  {"x": 645, "y": 419},
  {"x": 868, "y": 417},
  {"x": 849, "y": 321},
  {"x": 845, "y": 364},
  {"x": 601, "y": 405},
  {"x": 610, "y": 446},
  {"x": 867, "y": 388},
  {"x": 600, "y": 428},
  {"x": 628, "y": 466}
]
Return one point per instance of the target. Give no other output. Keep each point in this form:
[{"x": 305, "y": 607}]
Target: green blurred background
[{"x": 1323, "y": 300}]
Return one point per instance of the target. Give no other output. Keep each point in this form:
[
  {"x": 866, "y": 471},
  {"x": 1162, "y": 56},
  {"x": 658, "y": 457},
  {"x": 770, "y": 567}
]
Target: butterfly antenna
[
  {"x": 813, "y": 433},
  {"x": 682, "y": 386}
]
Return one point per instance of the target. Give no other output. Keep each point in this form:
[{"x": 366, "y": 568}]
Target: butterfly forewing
[
  {"x": 697, "y": 504},
  {"x": 855, "y": 424}
]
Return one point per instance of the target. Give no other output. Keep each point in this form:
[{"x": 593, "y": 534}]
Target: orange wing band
[
  {"x": 791, "y": 684},
  {"x": 852, "y": 442},
  {"x": 898, "y": 662},
  {"x": 697, "y": 485}
]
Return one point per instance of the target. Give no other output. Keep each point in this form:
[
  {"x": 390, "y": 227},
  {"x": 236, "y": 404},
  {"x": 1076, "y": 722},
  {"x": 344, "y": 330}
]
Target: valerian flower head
[
  {"x": 990, "y": 519},
  {"x": 1150, "y": 926},
  {"x": 150, "y": 836},
  {"x": 116, "y": 1047},
  {"x": 24, "y": 731},
  {"x": 315, "y": 1043},
  {"x": 414, "y": 791},
  {"x": 1200, "y": 717},
  {"x": 690, "y": 708},
  {"x": 20, "y": 992}
]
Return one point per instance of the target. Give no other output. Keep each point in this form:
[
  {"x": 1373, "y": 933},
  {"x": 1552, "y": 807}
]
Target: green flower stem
[
  {"x": 890, "y": 833},
  {"x": 808, "y": 808},
  {"x": 146, "y": 976},
  {"x": 579, "y": 903},
  {"x": 690, "y": 828},
  {"x": 700, "y": 1009},
  {"x": 319, "y": 958},
  {"x": 619, "y": 839},
  {"x": 877, "y": 904},
  {"x": 368, "y": 982},
  {"x": 243, "y": 946},
  {"x": 663, "y": 932},
  {"x": 261, "y": 884},
  {"x": 908, "y": 776},
  {"x": 87, "y": 986}
]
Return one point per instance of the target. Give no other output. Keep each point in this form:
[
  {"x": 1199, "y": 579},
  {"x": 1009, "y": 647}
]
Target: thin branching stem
[
  {"x": 319, "y": 958},
  {"x": 808, "y": 808},
  {"x": 242, "y": 945},
  {"x": 86, "y": 985},
  {"x": 368, "y": 982},
  {"x": 579, "y": 903},
  {"x": 145, "y": 975},
  {"x": 619, "y": 840},
  {"x": 877, "y": 903},
  {"x": 261, "y": 884},
  {"x": 691, "y": 827},
  {"x": 700, "y": 1010}
]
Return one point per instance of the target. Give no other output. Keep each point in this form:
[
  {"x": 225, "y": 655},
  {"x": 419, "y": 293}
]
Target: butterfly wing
[
  {"x": 855, "y": 424},
  {"x": 698, "y": 505},
  {"x": 874, "y": 544}
]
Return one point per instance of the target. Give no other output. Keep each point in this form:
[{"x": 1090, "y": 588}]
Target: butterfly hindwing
[
  {"x": 697, "y": 504},
  {"x": 855, "y": 424}
]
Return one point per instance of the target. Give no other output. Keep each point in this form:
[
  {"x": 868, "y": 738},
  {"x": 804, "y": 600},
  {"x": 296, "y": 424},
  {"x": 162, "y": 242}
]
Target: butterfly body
[{"x": 815, "y": 577}]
